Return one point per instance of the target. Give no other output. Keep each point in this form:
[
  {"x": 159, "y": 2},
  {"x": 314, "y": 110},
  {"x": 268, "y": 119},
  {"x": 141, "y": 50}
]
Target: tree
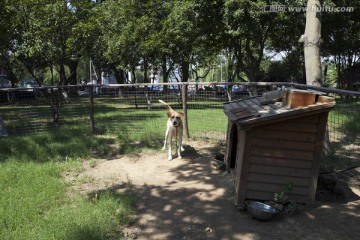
[
  {"x": 191, "y": 33},
  {"x": 283, "y": 43},
  {"x": 8, "y": 61},
  {"x": 288, "y": 69},
  {"x": 131, "y": 34},
  {"x": 341, "y": 33},
  {"x": 44, "y": 39},
  {"x": 312, "y": 41},
  {"x": 181, "y": 34},
  {"x": 248, "y": 29},
  {"x": 46, "y": 35}
]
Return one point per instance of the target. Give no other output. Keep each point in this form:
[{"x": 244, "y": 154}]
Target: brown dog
[{"x": 174, "y": 126}]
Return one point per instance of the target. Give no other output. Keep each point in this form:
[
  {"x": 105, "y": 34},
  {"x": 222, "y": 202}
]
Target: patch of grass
[
  {"x": 28, "y": 192},
  {"x": 55, "y": 145},
  {"x": 207, "y": 121},
  {"x": 35, "y": 206},
  {"x": 98, "y": 218},
  {"x": 137, "y": 142},
  {"x": 33, "y": 200}
]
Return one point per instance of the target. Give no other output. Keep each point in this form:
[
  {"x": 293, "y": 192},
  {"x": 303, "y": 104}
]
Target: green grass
[
  {"x": 211, "y": 121},
  {"x": 34, "y": 205},
  {"x": 55, "y": 145},
  {"x": 34, "y": 200}
]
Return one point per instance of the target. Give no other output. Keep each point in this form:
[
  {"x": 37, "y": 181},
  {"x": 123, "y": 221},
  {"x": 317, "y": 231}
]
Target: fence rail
[{"x": 133, "y": 110}]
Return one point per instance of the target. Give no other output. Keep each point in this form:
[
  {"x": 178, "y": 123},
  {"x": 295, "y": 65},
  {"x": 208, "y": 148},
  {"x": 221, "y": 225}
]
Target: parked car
[
  {"x": 239, "y": 90},
  {"x": 190, "y": 92},
  {"x": 30, "y": 84},
  {"x": 174, "y": 89},
  {"x": 83, "y": 93},
  {"x": 156, "y": 89},
  {"x": 220, "y": 90},
  {"x": 28, "y": 89},
  {"x": 4, "y": 83}
]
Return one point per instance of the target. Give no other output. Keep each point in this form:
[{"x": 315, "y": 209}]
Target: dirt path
[{"x": 189, "y": 199}]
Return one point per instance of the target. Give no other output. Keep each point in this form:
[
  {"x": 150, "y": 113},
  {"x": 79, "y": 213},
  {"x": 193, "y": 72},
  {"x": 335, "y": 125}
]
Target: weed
[
  {"x": 280, "y": 198},
  {"x": 92, "y": 163},
  {"x": 129, "y": 184}
]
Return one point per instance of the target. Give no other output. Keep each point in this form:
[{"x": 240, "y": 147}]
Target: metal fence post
[
  {"x": 91, "y": 108},
  {"x": 184, "y": 106}
]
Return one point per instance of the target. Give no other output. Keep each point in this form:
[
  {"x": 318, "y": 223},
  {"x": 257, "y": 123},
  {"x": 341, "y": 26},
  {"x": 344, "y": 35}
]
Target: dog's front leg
[
  {"x": 169, "y": 141},
  {"x": 179, "y": 144},
  {"x": 166, "y": 138}
]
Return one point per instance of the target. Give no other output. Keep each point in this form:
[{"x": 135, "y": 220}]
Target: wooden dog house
[{"x": 271, "y": 144}]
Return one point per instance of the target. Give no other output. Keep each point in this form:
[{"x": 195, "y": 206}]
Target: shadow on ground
[{"x": 189, "y": 199}]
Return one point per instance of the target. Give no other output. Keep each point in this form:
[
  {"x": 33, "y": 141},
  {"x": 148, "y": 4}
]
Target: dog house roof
[{"x": 277, "y": 106}]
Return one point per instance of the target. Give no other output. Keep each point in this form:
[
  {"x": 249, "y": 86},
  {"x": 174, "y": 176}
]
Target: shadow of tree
[{"x": 197, "y": 203}]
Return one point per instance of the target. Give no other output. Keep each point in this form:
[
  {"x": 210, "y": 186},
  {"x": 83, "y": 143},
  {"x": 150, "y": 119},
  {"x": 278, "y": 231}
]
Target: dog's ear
[
  {"x": 169, "y": 114},
  {"x": 181, "y": 114}
]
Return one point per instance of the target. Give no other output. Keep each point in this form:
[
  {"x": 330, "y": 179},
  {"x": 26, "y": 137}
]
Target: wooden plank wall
[{"x": 281, "y": 153}]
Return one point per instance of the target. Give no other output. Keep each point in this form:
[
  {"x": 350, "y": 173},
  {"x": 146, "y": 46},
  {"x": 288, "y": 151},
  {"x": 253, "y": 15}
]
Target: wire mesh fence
[
  {"x": 344, "y": 128},
  {"x": 133, "y": 112}
]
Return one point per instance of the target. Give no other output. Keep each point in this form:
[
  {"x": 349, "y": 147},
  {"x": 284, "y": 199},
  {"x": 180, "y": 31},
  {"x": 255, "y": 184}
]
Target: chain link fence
[{"x": 132, "y": 111}]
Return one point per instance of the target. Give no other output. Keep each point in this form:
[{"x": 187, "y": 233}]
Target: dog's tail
[{"x": 166, "y": 105}]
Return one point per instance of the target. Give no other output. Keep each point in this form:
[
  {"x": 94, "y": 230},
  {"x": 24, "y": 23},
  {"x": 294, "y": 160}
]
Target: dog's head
[{"x": 175, "y": 118}]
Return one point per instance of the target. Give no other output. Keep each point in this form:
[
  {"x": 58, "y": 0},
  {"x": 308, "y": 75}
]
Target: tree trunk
[
  {"x": 62, "y": 75},
  {"x": 145, "y": 66},
  {"x": 185, "y": 71},
  {"x": 165, "y": 74},
  {"x": 312, "y": 41},
  {"x": 72, "y": 79},
  {"x": 120, "y": 79},
  {"x": 119, "y": 75}
]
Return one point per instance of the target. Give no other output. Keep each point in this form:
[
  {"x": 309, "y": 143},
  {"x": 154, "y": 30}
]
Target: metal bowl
[{"x": 261, "y": 211}]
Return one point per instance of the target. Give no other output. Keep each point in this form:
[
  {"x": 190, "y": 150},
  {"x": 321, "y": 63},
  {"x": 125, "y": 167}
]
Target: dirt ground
[{"x": 190, "y": 199}]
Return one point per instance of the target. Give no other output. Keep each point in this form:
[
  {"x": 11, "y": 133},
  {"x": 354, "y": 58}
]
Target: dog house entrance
[{"x": 233, "y": 148}]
